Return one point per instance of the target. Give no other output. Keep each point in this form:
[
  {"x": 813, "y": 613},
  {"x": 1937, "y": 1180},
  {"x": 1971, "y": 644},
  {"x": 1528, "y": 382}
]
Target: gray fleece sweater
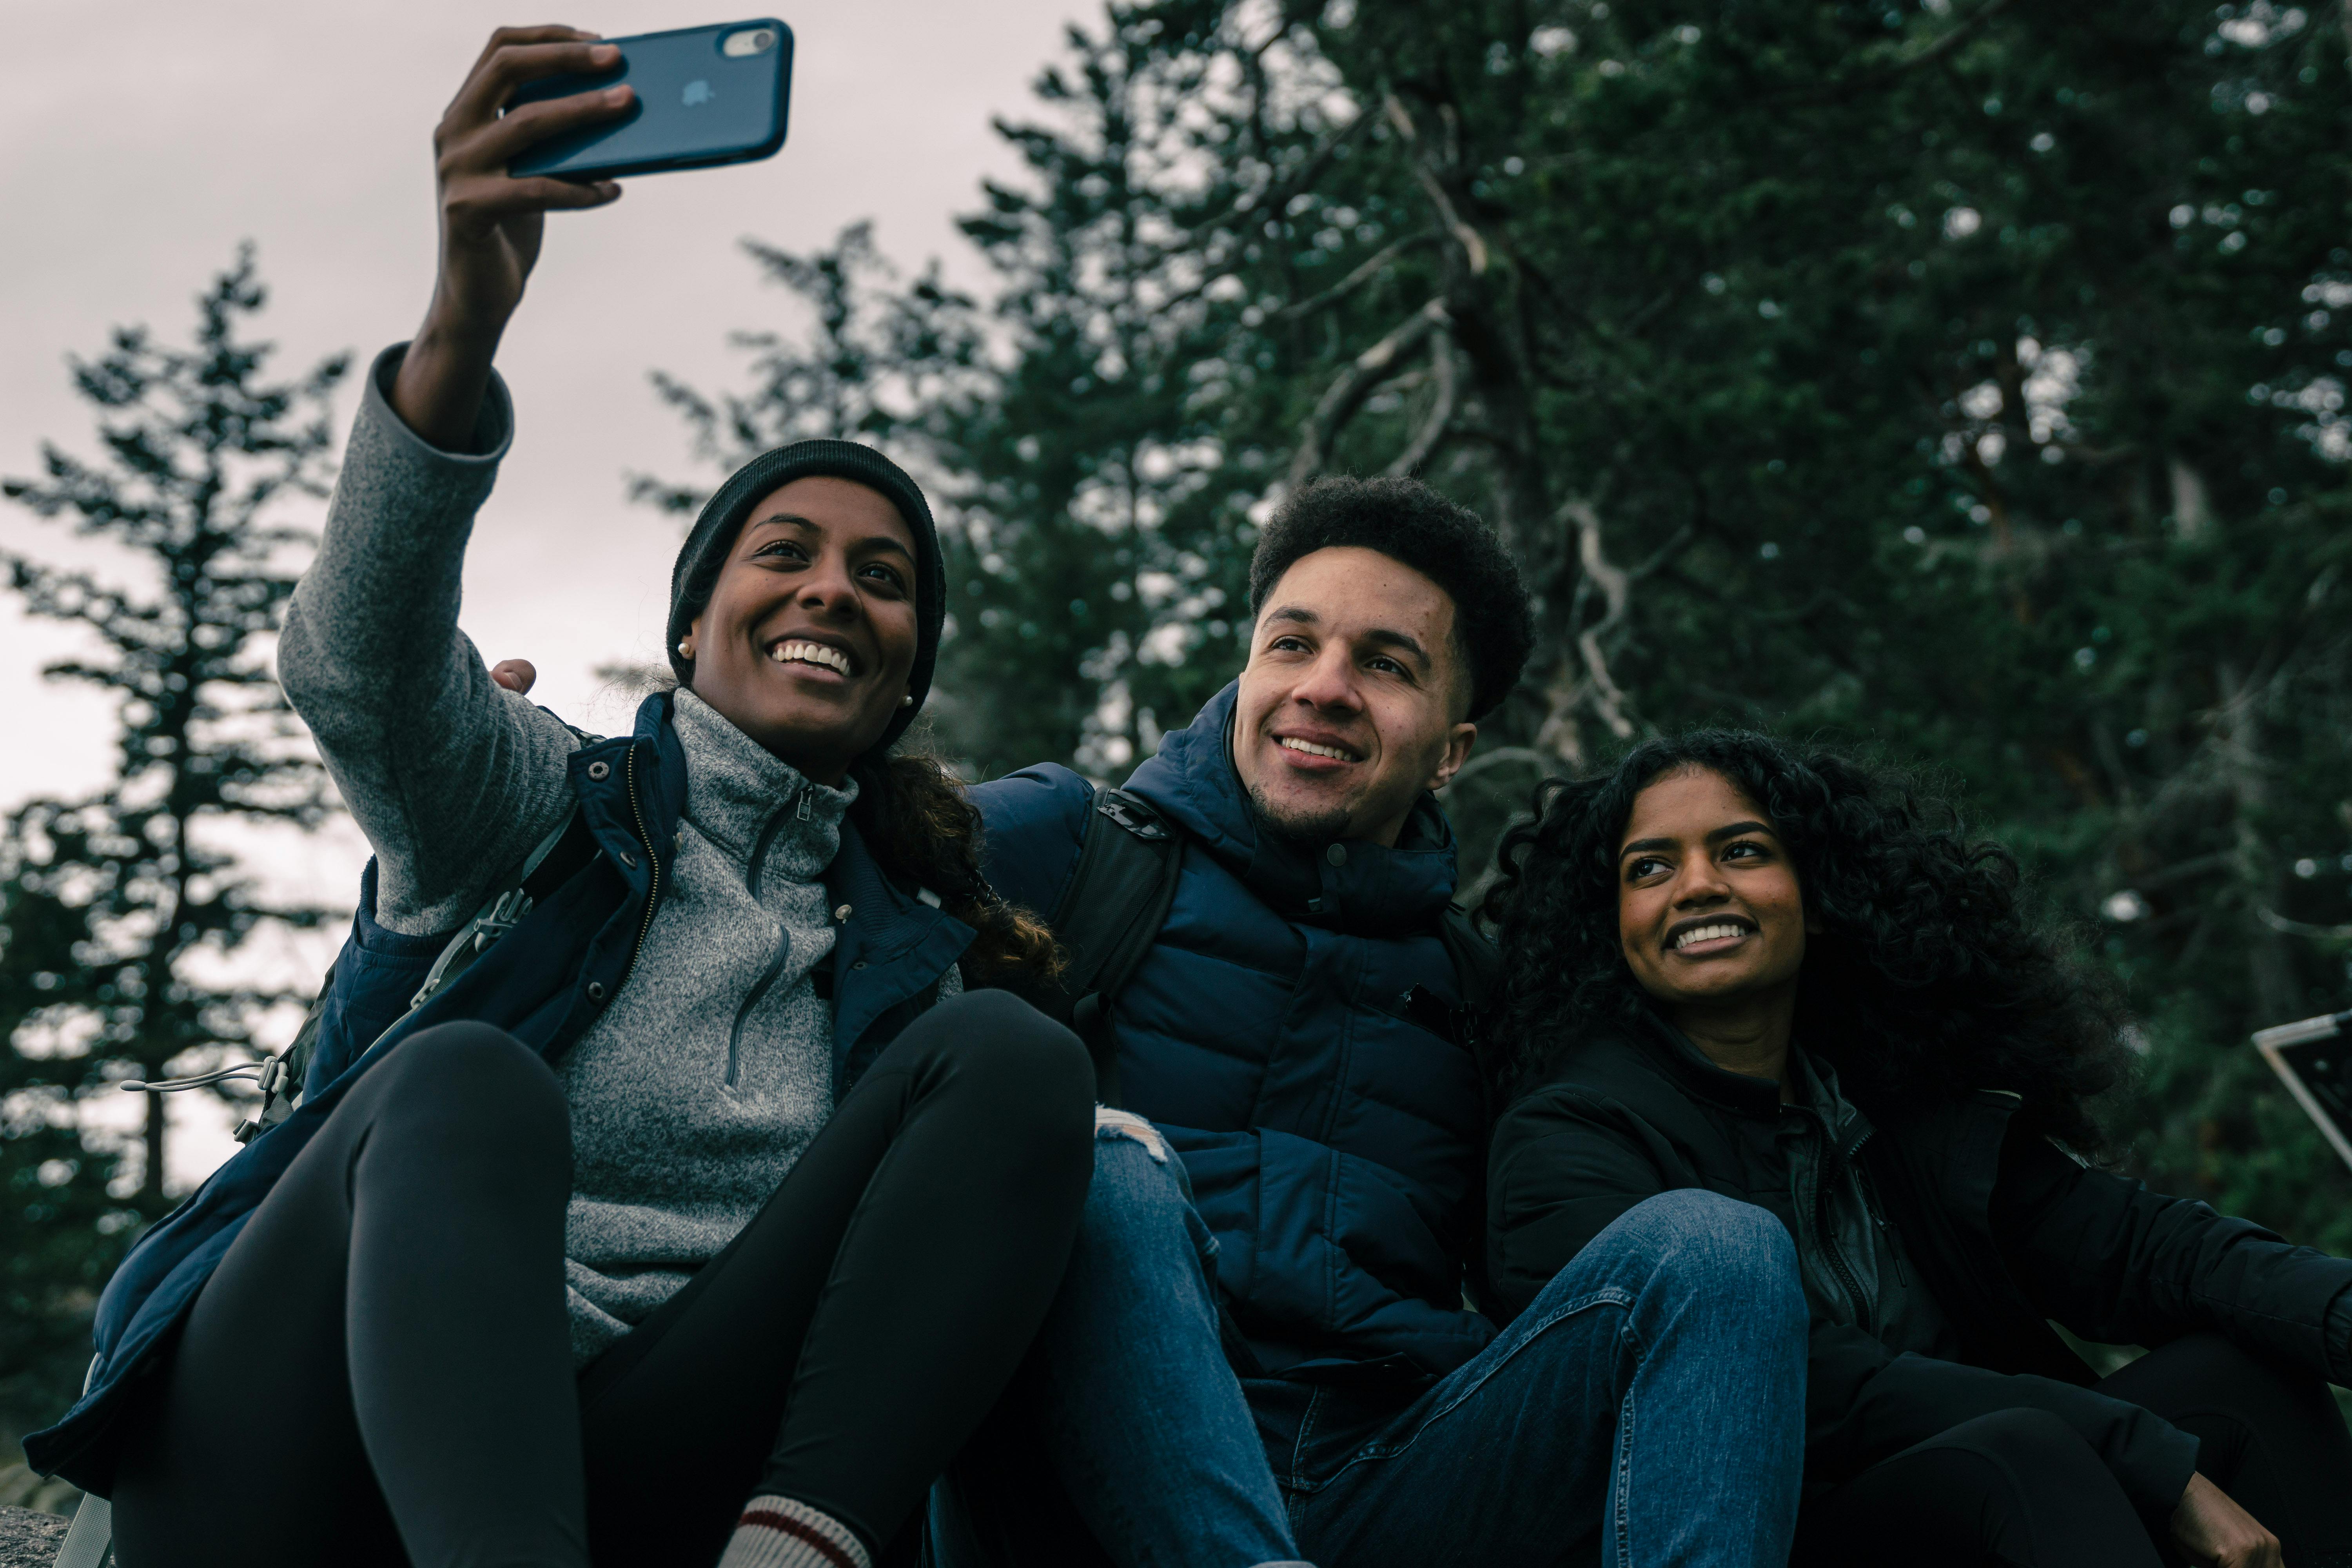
[{"x": 696, "y": 1091}]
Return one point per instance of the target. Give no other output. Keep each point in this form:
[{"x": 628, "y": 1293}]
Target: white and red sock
[{"x": 781, "y": 1532}]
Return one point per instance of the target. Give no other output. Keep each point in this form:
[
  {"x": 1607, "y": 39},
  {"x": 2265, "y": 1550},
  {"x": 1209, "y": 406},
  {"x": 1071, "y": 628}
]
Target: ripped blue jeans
[{"x": 1124, "y": 1439}]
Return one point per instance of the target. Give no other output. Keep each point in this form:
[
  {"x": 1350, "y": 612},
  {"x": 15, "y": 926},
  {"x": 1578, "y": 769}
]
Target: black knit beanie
[{"x": 700, "y": 558}]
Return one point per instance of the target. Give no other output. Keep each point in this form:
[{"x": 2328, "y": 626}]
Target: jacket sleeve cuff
[
  {"x": 2157, "y": 1469},
  {"x": 2336, "y": 1334},
  {"x": 493, "y": 430}
]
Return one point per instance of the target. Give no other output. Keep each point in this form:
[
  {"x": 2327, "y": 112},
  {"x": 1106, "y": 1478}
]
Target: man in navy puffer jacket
[{"x": 1288, "y": 1038}]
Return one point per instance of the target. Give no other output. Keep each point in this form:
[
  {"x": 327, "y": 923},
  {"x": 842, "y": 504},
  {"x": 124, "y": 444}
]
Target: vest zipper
[
  {"x": 653, "y": 864},
  {"x": 1844, "y": 1275},
  {"x": 1870, "y": 1205}
]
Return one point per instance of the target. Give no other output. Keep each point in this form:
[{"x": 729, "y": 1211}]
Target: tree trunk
[{"x": 2238, "y": 731}]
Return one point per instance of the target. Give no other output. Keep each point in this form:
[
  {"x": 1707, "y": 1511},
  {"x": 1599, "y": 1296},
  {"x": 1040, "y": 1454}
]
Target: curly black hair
[
  {"x": 1494, "y": 621},
  {"x": 1928, "y": 979}
]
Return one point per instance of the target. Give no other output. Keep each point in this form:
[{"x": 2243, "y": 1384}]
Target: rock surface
[{"x": 29, "y": 1540}]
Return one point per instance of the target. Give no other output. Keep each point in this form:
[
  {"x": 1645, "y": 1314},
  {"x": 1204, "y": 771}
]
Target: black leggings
[
  {"x": 379, "y": 1371},
  {"x": 2019, "y": 1487}
]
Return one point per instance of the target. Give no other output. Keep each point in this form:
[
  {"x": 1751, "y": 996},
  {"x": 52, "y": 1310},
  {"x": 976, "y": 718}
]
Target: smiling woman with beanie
[{"x": 706, "y": 1211}]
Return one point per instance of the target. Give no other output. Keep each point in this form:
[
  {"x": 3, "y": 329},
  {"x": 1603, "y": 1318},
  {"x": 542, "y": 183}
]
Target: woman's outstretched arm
[
  {"x": 452, "y": 778},
  {"x": 2120, "y": 1264}
]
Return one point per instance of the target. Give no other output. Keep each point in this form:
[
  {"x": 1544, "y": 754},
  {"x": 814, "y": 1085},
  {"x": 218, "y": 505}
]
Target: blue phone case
[{"x": 697, "y": 105}]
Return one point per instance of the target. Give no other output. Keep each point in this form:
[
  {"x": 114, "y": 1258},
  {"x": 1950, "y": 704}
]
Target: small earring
[
  {"x": 907, "y": 700},
  {"x": 685, "y": 648}
]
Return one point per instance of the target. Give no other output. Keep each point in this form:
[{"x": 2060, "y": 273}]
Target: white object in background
[
  {"x": 2315, "y": 1079},
  {"x": 90, "y": 1543}
]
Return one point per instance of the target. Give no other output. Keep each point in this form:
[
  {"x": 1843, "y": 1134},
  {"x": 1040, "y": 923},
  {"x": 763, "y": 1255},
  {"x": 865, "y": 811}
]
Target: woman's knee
[
  {"x": 1026, "y": 1064},
  {"x": 2032, "y": 1451},
  {"x": 473, "y": 1075},
  {"x": 2210, "y": 1365},
  {"x": 2209, "y": 1371}
]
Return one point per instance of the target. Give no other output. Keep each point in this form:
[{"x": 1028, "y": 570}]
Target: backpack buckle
[
  {"x": 1122, "y": 809},
  {"x": 503, "y": 917}
]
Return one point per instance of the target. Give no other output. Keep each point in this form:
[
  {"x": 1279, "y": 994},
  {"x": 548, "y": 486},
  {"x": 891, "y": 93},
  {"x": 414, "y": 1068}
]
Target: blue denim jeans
[
  {"x": 1647, "y": 1409},
  {"x": 1124, "y": 1439}
]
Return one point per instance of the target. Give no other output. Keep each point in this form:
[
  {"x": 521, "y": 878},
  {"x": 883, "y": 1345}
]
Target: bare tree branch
[
  {"x": 1863, "y": 81},
  {"x": 2285, "y": 927},
  {"x": 1608, "y": 701},
  {"x": 1497, "y": 758},
  {"x": 1473, "y": 246},
  {"x": 1357, "y": 278},
  {"x": 1348, "y": 392},
  {"x": 1433, "y": 429}
]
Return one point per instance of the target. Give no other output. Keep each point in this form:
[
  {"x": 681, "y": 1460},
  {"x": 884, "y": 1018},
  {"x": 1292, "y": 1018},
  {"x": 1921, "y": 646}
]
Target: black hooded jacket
[{"x": 2007, "y": 1232}]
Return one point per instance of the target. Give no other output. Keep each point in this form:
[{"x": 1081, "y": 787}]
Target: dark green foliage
[
  {"x": 118, "y": 909},
  {"x": 1963, "y": 378}
]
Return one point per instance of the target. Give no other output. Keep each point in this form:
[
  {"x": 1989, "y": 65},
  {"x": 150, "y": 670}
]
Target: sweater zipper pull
[
  {"x": 1893, "y": 1253},
  {"x": 805, "y": 791},
  {"x": 1870, "y": 1204}
]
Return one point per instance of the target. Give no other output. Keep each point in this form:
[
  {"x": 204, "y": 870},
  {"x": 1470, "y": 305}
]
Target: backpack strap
[
  {"x": 1118, "y": 898},
  {"x": 551, "y": 863}
]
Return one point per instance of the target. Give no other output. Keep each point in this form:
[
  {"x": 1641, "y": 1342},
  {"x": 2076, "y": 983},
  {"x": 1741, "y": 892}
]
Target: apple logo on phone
[{"x": 699, "y": 92}]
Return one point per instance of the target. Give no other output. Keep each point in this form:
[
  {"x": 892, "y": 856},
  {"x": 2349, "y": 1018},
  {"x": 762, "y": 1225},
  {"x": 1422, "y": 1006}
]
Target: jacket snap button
[
  {"x": 842, "y": 914},
  {"x": 1337, "y": 854},
  {"x": 626, "y": 858},
  {"x": 595, "y": 991},
  {"x": 858, "y": 963},
  {"x": 600, "y": 769}
]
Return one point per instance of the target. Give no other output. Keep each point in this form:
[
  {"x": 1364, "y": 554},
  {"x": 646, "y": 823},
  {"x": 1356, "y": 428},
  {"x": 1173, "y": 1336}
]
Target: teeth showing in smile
[
  {"x": 1707, "y": 933},
  {"x": 1292, "y": 742},
  {"x": 815, "y": 653}
]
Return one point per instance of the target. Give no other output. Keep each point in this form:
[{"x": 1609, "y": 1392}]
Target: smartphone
[{"x": 705, "y": 96}]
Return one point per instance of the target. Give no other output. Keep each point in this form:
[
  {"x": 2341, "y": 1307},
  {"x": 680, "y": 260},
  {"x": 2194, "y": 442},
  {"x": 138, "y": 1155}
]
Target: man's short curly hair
[{"x": 1494, "y": 622}]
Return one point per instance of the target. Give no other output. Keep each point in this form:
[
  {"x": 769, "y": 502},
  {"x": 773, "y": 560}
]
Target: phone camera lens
[{"x": 749, "y": 41}]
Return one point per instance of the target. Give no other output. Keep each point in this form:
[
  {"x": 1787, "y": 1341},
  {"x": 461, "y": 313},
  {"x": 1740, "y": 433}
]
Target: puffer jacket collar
[{"x": 1353, "y": 885}]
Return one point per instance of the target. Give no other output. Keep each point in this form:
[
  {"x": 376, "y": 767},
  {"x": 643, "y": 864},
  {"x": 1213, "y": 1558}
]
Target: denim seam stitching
[
  {"x": 1621, "y": 1472},
  {"x": 1608, "y": 1296}
]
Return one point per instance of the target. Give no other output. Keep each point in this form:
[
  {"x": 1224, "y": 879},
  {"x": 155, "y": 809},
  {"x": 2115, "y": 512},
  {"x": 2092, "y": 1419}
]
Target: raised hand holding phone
[{"x": 492, "y": 224}]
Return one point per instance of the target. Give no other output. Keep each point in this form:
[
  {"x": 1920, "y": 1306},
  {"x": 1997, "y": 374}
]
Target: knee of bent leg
[
  {"x": 1703, "y": 1244},
  {"x": 2025, "y": 1442},
  {"x": 1138, "y": 1186},
  {"x": 464, "y": 1074},
  {"x": 1035, "y": 1074},
  {"x": 2208, "y": 1367}
]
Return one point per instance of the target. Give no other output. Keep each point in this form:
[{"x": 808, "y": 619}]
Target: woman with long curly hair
[{"x": 1783, "y": 975}]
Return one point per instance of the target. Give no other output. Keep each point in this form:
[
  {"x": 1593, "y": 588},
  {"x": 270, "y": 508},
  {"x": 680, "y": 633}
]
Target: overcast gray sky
[{"x": 140, "y": 141}]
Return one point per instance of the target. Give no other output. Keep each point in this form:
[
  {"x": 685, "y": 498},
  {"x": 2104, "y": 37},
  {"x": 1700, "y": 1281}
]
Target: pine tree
[{"x": 120, "y": 907}]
